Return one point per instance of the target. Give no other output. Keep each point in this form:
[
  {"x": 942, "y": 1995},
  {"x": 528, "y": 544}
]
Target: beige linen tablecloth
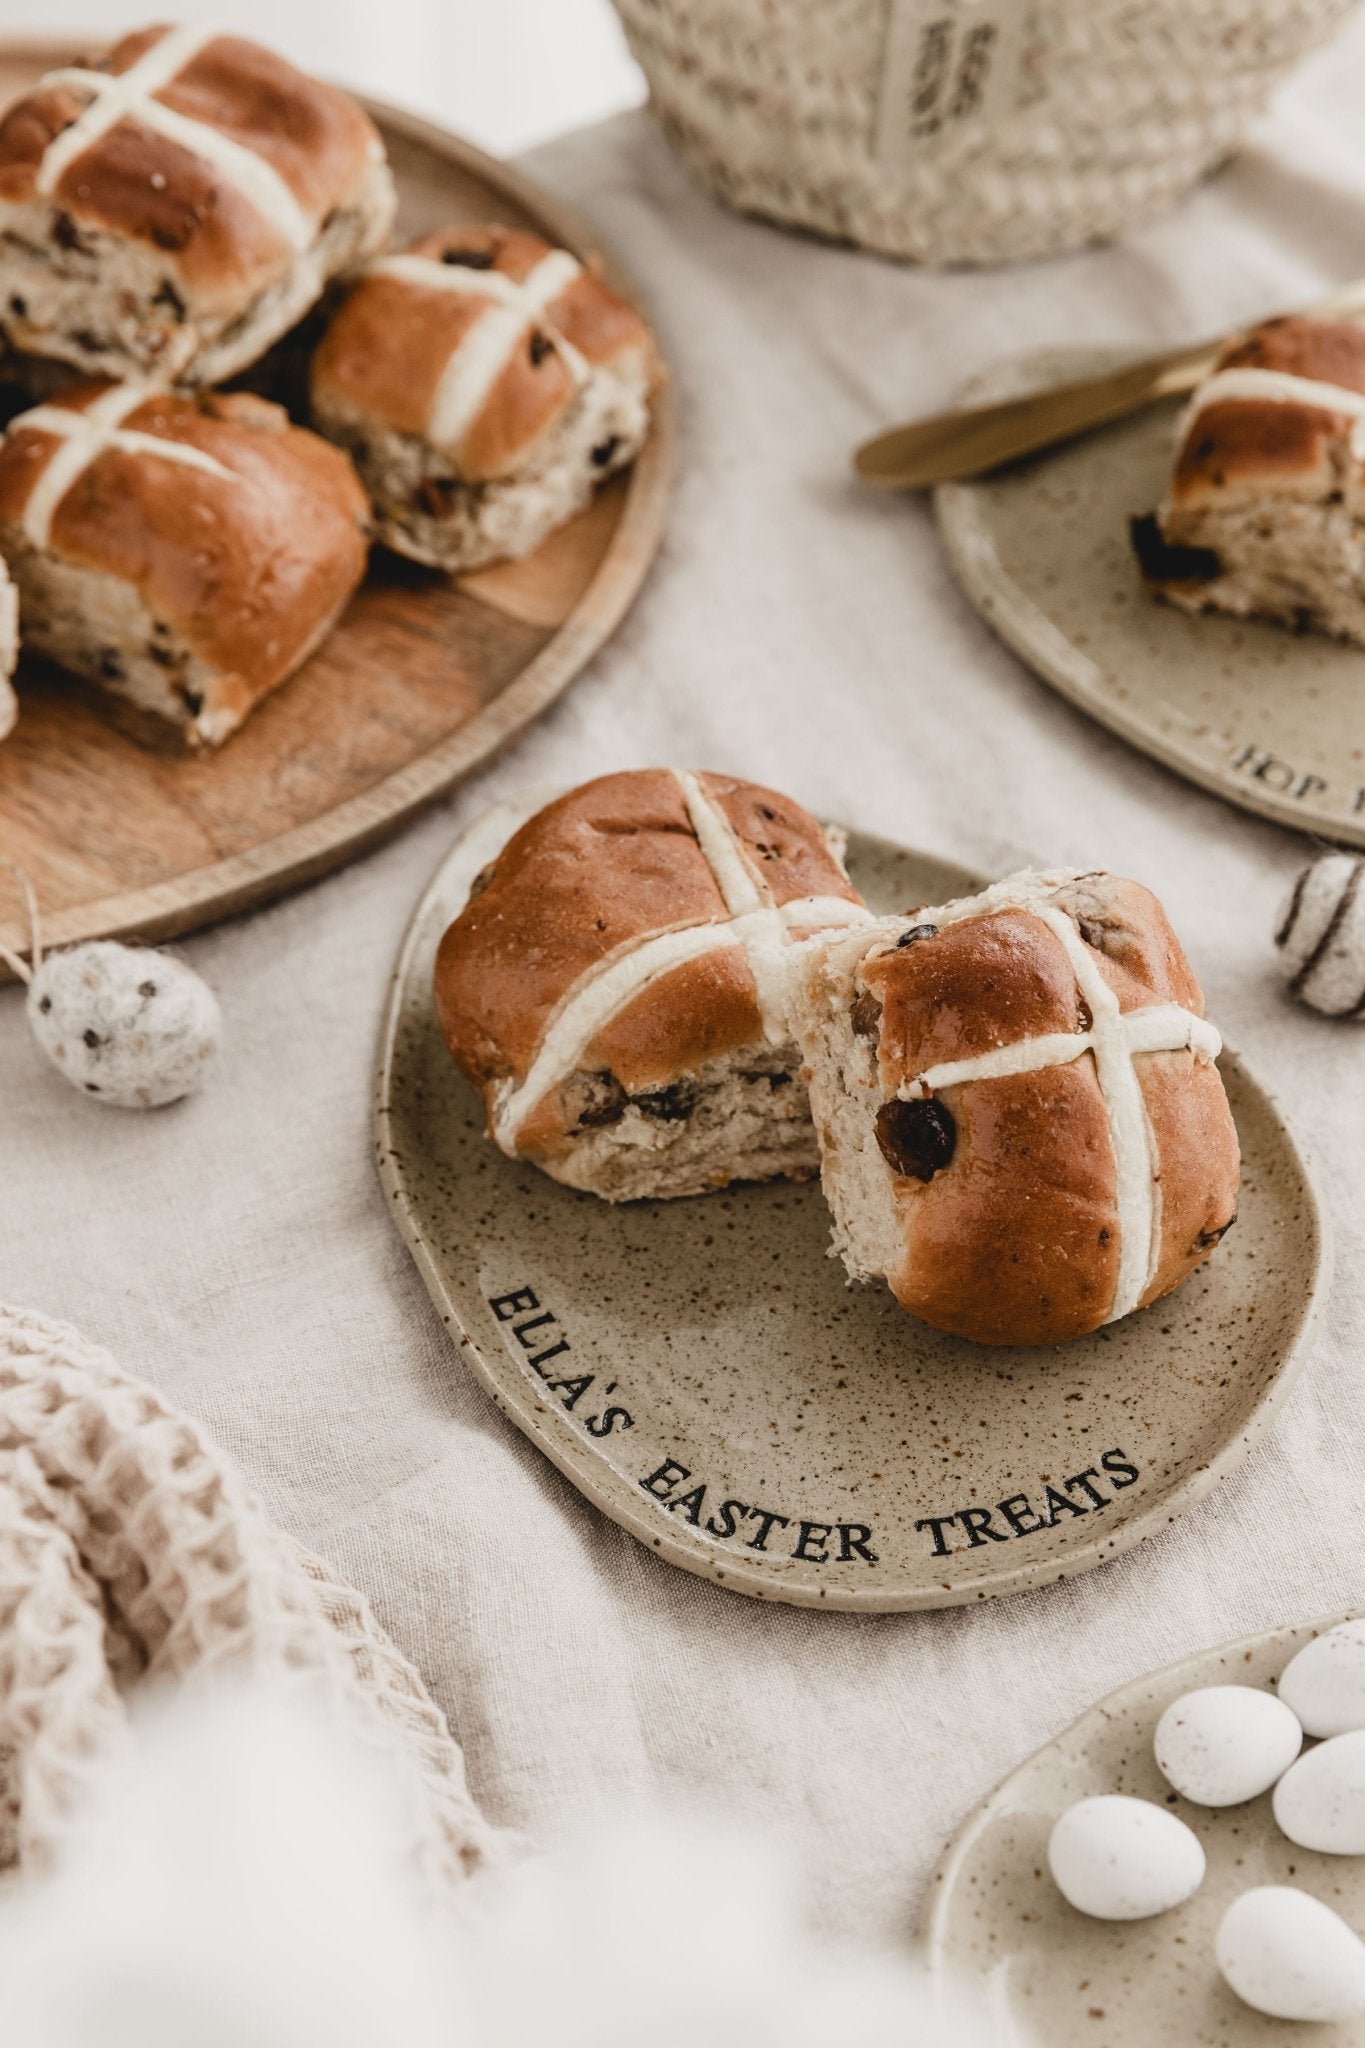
[{"x": 236, "y": 1249}]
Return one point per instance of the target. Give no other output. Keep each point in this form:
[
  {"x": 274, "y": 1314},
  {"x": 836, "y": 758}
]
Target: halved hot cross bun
[
  {"x": 1265, "y": 516},
  {"x": 1022, "y": 1126},
  {"x": 170, "y": 208},
  {"x": 484, "y": 383},
  {"x": 618, "y": 985},
  {"x": 185, "y": 554}
]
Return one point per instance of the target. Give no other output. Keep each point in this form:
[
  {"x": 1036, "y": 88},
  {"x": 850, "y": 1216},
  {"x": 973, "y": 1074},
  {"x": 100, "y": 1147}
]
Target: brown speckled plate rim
[
  {"x": 969, "y": 540},
  {"x": 941, "y": 1902},
  {"x": 592, "y": 1478}
]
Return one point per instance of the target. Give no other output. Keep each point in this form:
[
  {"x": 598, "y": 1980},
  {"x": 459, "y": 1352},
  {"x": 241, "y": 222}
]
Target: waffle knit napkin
[{"x": 131, "y": 1551}]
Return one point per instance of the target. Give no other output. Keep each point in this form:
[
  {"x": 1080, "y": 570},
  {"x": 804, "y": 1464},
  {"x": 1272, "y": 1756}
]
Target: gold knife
[{"x": 973, "y": 439}]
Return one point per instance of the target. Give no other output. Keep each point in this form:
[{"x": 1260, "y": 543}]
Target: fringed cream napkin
[{"x": 131, "y": 1551}]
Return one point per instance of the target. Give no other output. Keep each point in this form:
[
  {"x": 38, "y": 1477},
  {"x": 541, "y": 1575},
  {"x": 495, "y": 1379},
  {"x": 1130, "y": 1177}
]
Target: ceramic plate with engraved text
[
  {"x": 996, "y": 1922},
  {"x": 1271, "y": 721},
  {"x": 700, "y": 1370}
]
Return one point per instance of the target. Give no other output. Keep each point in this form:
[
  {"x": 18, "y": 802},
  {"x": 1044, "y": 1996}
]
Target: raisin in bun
[
  {"x": 617, "y": 986},
  {"x": 1265, "y": 514},
  {"x": 1022, "y": 1126}
]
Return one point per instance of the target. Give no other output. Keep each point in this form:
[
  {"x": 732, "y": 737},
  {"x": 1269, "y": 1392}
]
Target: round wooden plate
[
  {"x": 422, "y": 680},
  {"x": 996, "y": 1923},
  {"x": 1272, "y": 721},
  {"x": 701, "y": 1372}
]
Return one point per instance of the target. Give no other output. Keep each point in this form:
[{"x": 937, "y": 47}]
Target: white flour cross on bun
[
  {"x": 478, "y": 360},
  {"x": 1114, "y": 1039},
  {"x": 83, "y": 436},
  {"x": 131, "y": 96},
  {"x": 763, "y": 928}
]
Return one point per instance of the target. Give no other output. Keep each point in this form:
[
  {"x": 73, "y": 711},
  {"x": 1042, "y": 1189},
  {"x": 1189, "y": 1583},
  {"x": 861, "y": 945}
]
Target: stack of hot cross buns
[
  {"x": 167, "y": 213},
  {"x": 663, "y": 982}
]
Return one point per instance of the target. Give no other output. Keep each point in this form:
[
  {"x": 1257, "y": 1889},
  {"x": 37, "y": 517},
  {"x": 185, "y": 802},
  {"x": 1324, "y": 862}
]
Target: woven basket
[{"x": 963, "y": 131}]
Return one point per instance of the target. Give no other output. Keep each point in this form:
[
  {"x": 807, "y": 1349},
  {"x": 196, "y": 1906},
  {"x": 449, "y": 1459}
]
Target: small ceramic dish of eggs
[{"x": 1185, "y": 1865}]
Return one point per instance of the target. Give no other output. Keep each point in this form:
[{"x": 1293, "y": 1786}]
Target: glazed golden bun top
[
  {"x": 245, "y": 537},
  {"x": 1278, "y": 428},
  {"x": 222, "y": 227},
  {"x": 405, "y": 349}
]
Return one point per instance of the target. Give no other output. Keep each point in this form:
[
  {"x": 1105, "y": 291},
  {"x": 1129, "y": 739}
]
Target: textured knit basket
[{"x": 963, "y": 131}]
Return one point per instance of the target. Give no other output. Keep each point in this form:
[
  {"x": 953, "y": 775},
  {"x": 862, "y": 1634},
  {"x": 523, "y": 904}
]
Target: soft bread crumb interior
[
  {"x": 470, "y": 525},
  {"x": 845, "y": 1094},
  {"x": 98, "y": 626},
  {"x": 107, "y": 305},
  {"x": 1297, "y": 564},
  {"x": 743, "y": 1117}
]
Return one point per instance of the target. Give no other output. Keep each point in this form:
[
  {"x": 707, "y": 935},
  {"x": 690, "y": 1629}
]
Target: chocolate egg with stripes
[
  {"x": 484, "y": 383},
  {"x": 618, "y": 986},
  {"x": 1320, "y": 935},
  {"x": 1020, "y": 1114}
]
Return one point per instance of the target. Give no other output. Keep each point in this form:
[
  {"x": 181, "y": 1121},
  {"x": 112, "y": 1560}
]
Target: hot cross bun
[
  {"x": 485, "y": 384},
  {"x": 172, "y": 207},
  {"x": 184, "y": 554},
  {"x": 618, "y": 985},
  {"x": 1022, "y": 1125}
]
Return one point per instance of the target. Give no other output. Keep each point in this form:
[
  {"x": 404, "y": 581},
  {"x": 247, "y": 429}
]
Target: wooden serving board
[{"x": 422, "y": 680}]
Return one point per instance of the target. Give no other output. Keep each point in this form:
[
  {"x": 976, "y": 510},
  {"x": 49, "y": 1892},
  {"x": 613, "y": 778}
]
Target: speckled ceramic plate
[
  {"x": 1270, "y": 720},
  {"x": 995, "y": 1919},
  {"x": 701, "y": 1372}
]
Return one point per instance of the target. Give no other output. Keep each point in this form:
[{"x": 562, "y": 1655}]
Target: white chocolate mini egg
[
  {"x": 1226, "y": 1743},
  {"x": 131, "y": 1027},
  {"x": 1320, "y": 1801},
  {"x": 1124, "y": 1859},
  {"x": 1285, "y": 1953},
  {"x": 1325, "y": 1683},
  {"x": 1321, "y": 936}
]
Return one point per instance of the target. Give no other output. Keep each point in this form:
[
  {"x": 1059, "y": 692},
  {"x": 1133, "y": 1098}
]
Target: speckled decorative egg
[
  {"x": 1325, "y": 1683},
  {"x": 1226, "y": 1743},
  {"x": 1320, "y": 1801},
  {"x": 1124, "y": 1859},
  {"x": 1285, "y": 1953},
  {"x": 131, "y": 1027},
  {"x": 1321, "y": 936}
]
